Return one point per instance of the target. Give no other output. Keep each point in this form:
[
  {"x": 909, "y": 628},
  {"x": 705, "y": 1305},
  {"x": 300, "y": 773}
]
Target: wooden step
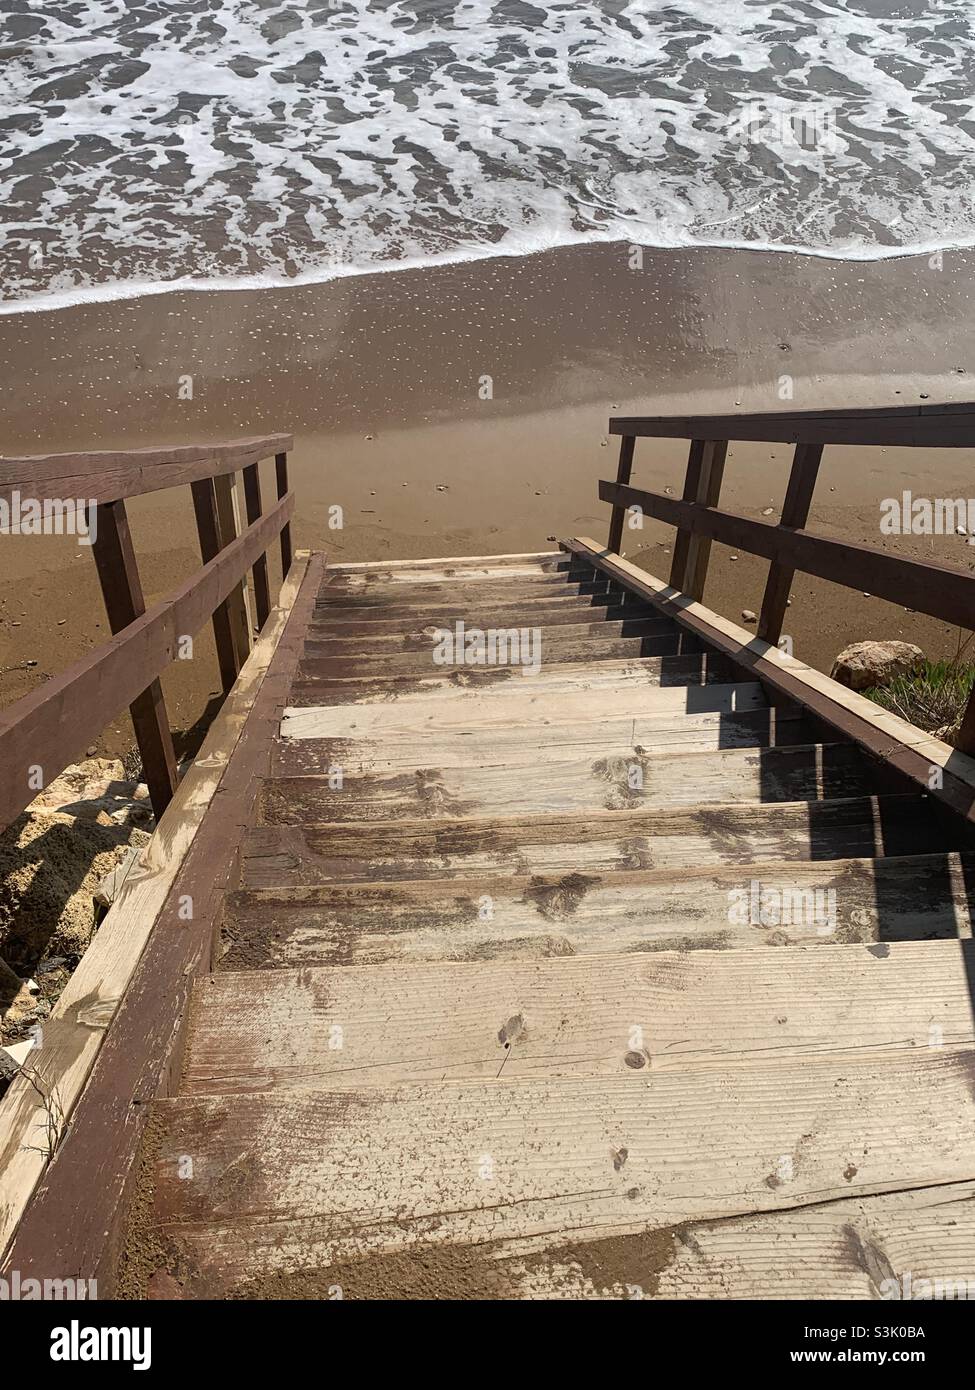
[
  {"x": 523, "y": 650},
  {"x": 578, "y": 783},
  {"x": 457, "y": 564},
  {"x": 422, "y": 597},
  {"x": 312, "y": 1179},
  {"x": 321, "y": 642},
  {"x": 670, "y": 837},
  {"x": 476, "y": 574},
  {"x": 277, "y": 1030},
  {"x": 299, "y": 921},
  {"x": 686, "y": 669},
  {"x": 344, "y": 625},
  {"x": 508, "y": 695},
  {"x": 557, "y": 608},
  {"x": 525, "y": 745}
]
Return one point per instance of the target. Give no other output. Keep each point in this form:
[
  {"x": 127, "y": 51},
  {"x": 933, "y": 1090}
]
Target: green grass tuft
[{"x": 934, "y": 699}]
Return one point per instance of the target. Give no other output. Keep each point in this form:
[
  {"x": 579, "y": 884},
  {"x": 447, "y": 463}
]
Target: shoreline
[
  {"x": 124, "y": 291},
  {"x": 381, "y": 380}
]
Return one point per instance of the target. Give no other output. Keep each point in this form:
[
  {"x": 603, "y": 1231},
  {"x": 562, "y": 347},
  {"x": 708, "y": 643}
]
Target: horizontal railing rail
[
  {"x": 107, "y": 476},
  {"x": 50, "y": 728},
  {"x": 940, "y": 590},
  {"x": 938, "y": 426}
]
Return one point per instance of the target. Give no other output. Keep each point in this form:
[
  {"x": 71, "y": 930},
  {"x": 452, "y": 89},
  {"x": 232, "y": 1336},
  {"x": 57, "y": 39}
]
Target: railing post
[
  {"x": 121, "y": 587},
  {"x": 223, "y": 488},
  {"x": 623, "y": 472},
  {"x": 205, "y": 506},
  {"x": 702, "y": 483},
  {"x": 281, "y": 473},
  {"x": 795, "y": 511},
  {"x": 252, "y": 504}
]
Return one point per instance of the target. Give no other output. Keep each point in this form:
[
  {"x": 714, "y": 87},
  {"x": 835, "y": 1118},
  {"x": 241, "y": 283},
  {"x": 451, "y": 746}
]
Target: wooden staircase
[{"x": 494, "y": 1015}]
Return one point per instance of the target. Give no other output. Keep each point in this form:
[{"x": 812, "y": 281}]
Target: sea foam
[{"x": 168, "y": 144}]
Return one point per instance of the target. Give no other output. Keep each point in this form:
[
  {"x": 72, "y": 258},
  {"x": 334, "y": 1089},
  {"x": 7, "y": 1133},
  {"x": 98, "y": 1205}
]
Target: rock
[
  {"x": 748, "y": 616},
  {"x": 865, "y": 664}
]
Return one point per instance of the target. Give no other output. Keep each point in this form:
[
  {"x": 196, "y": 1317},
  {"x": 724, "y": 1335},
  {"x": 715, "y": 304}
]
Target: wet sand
[{"x": 382, "y": 381}]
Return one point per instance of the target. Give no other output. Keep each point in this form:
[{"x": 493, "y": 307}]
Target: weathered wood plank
[
  {"x": 686, "y": 669},
  {"x": 689, "y": 668},
  {"x": 591, "y": 842},
  {"x": 732, "y": 906},
  {"x": 486, "y": 594},
  {"x": 325, "y": 640},
  {"x": 683, "y": 834},
  {"x": 508, "y": 695},
  {"x": 575, "y": 783},
  {"x": 320, "y": 1027},
  {"x": 456, "y": 562},
  {"x": 558, "y": 607},
  {"x": 524, "y": 648},
  {"x": 525, "y": 745},
  {"x": 346, "y": 624},
  {"x": 516, "y": 577},
  {"x": 281, "y": 1182}
]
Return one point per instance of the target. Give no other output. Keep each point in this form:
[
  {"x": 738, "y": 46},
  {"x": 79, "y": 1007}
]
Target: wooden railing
[
  {"x": 940, "y": 590},
  {"x": 51, "y": 727}
]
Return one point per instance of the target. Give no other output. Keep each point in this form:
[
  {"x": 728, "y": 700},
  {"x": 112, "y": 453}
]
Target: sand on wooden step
[{"x": 301, "y": 1180}]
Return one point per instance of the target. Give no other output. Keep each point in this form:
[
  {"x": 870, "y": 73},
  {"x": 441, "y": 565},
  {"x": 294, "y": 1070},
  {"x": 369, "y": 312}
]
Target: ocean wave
[{"x": 160, "y": 145}]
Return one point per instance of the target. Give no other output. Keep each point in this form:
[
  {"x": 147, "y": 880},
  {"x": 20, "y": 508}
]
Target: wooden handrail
[
  {"x": 50, "y": 727},
  {"x": 107, "y": 476},
  {"x": 43, "y": 732},
  {"x": 940, "y": 590},
  {"x": 950, "y": 426}
]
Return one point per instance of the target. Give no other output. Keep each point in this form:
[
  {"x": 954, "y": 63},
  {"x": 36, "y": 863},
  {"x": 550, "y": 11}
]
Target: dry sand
[{"x": 380, "y": 379}]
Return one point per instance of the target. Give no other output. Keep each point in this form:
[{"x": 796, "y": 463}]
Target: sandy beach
[{"x": 463, "y": 409}]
